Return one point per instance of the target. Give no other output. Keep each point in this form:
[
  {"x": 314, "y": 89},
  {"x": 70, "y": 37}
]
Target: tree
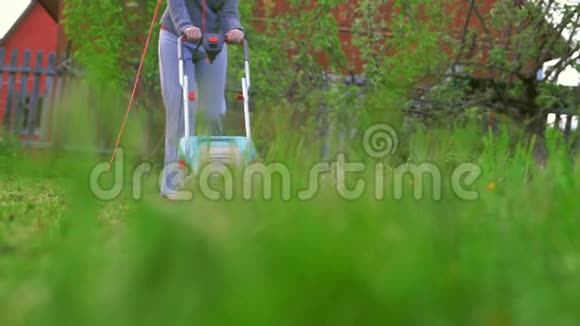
[{"x": 504, "y": 46}]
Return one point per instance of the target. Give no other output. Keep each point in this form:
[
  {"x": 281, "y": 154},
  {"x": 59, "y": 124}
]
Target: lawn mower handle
[
  {"x": 244, "y": 43},
  {"x": 245, "y": 82}
]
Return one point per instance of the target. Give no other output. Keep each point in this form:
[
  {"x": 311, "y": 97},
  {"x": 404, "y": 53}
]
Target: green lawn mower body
[{"x": 232, "y": 151}]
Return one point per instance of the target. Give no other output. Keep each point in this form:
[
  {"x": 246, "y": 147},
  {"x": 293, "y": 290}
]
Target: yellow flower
[{"x": 491, "y": 186}]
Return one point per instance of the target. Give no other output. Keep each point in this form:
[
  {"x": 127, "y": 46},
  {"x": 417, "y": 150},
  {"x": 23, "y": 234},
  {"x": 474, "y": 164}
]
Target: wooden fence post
[
  {"x": 2, "y": 55},
  {"x": 19, "y": 122},
  {"x": 35, "y": 96},
  {"x": 49, "y": 94},
  {"x": 8, "y": 112}
]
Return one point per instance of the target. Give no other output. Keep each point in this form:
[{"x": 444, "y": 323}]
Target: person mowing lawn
[{"x": 193, "y": 19}]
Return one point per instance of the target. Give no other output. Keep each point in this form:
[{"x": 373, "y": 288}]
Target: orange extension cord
[{"x": 136, "y": 82}]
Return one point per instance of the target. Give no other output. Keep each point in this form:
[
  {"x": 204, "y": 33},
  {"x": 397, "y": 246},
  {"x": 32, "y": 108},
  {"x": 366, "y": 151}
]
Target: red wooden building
[{"x": 35, "y": 30}]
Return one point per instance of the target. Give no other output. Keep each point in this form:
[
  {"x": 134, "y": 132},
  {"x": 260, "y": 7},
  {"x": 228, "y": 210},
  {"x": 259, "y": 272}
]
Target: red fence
[{"x": 25, "y": 91}]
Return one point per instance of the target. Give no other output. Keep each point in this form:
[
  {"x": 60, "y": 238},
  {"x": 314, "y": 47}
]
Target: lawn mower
[{"x": 197, "y": 151}]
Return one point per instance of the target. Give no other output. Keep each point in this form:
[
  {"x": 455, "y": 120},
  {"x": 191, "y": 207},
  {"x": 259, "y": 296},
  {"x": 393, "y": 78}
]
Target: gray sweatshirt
[{"x": 220, "y": 15}]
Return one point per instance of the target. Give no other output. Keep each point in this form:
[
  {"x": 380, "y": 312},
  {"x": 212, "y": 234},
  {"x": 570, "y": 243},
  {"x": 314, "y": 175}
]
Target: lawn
[{"x": 511, "y": 256}]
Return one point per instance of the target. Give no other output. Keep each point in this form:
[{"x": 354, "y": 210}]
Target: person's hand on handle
[
  {"x": 193, "y": 34},
  {"x": 235, "y": 36}
]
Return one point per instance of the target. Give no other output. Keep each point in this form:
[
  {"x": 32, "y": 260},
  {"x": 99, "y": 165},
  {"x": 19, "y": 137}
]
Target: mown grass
[{"x": 509, "y": 257}]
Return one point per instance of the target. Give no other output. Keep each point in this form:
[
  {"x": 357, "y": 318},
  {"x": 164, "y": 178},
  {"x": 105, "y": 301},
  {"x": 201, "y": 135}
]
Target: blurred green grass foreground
[{"x": 510, "y": 256}]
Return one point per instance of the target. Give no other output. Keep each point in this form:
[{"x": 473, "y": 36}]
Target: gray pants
[{"x": 207, "y": 95}]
